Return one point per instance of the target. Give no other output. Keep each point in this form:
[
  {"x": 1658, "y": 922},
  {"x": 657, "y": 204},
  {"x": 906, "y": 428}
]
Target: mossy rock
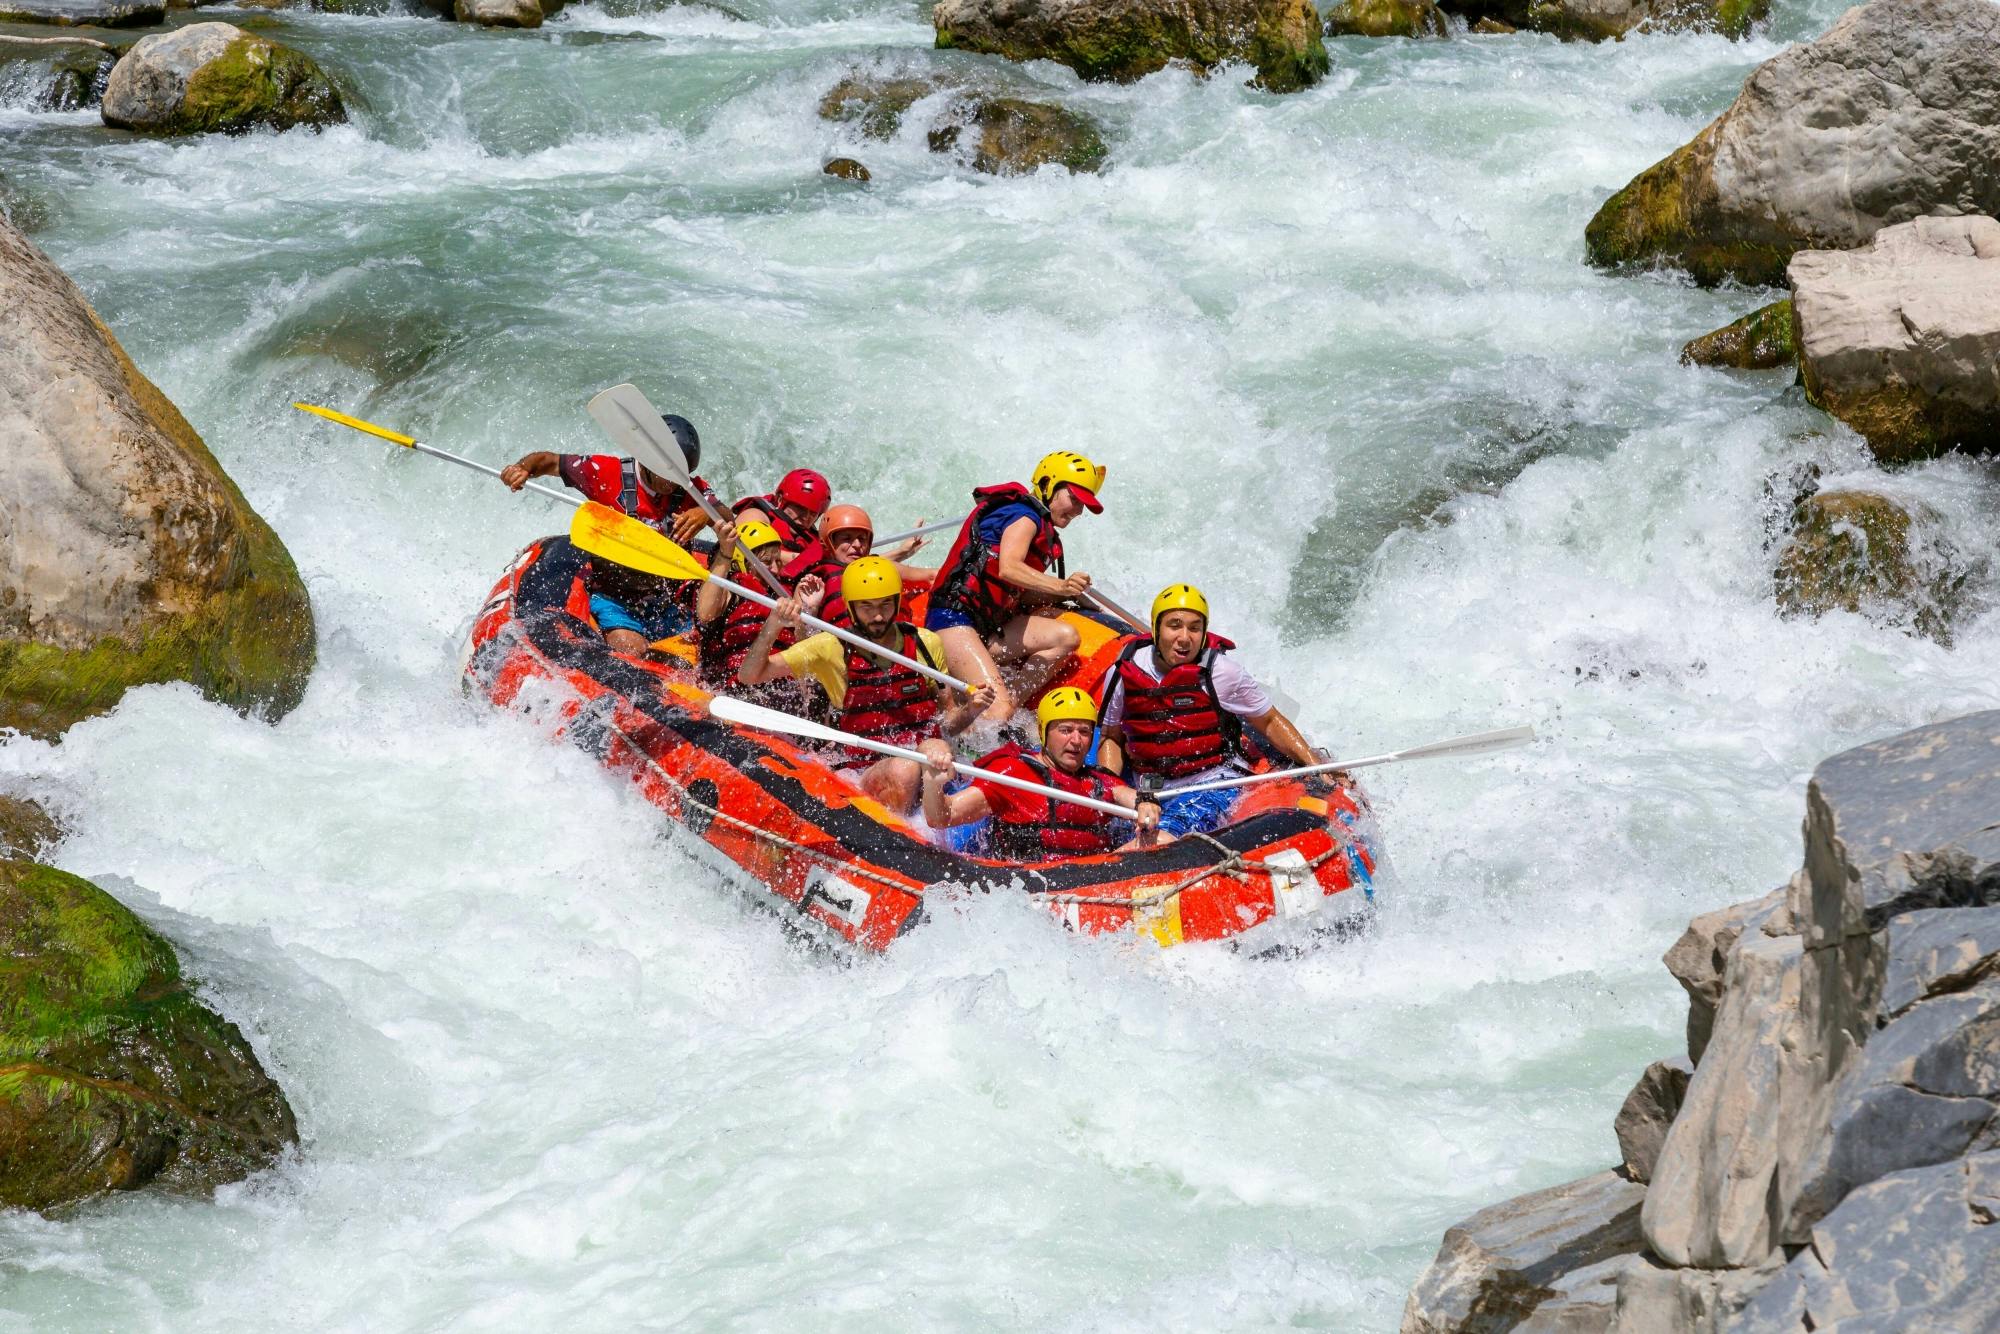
[
  {"x": 111, "y": 1074},
  {"x": 1763, "y": 340},
  {"x": 1385, "y": 18},
  {"x": 875, "y": 106},
  {"x": 1670, "y": 214},
  {"x": 1011, "y": 136},
  {"x": 846, "y": 169},
  {"x": 46, "y": 75},
  {"x": 217, "y": 78},
  {"x": 1852, "y": 551}
]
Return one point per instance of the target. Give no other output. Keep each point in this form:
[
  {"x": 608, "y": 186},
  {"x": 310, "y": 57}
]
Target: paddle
[
  {"x": 1476, "y": 743},
  {"x": 924, "y": 531},
  {"x": 603, "y": 531},
  {"x": 636, "y": 427},
  {"x": 411, "y": 442},
  {"x": 731, "y": 710}
]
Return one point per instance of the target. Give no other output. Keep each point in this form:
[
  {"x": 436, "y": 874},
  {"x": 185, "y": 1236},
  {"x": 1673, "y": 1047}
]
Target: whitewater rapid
[{"x": 1349, "y": 373}]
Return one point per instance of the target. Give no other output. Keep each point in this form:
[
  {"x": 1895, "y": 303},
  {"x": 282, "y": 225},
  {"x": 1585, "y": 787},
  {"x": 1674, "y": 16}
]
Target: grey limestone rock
[
  {"x": 1900, "y": 339},
  {"x": 1698, "y": 959},
  {"x": 1892, "y": 114},
  {"x": 1656, "y": 1299},
  {"x": 1945, "y": 949},
  {"x": 1649, "y": 1109},
  {"x": 85, "y": 13},
  {"x": 499, "y": 13},
  {"x": 1498, "y": 1267}
]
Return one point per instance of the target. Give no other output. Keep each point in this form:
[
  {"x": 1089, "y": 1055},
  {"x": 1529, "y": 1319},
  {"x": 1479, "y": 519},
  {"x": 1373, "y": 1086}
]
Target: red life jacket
[
  {"x": 790, "y": 534},
  {"x": 815, "y": 559},
  {"x": 724, "y": 642},
  {"x": 1029, "y": 828},
  {"x": 970, "y": 581},
  {"x": 887, "y": 701},
  {"x": 1174, "y": 724},
  {"x": 613, "y": 481}
]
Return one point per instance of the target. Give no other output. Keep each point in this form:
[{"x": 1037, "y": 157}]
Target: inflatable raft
[{"x": 1293, "y": 863}]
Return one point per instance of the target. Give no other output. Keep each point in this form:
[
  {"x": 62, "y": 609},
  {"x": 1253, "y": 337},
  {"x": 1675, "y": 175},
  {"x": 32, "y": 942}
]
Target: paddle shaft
[
  {"x": 925, "y": 531},
  {"x": 1492, "y": 742},
  {"x": 988, "y": 776}
]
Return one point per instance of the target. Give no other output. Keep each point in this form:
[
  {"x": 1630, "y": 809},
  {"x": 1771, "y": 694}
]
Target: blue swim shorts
[
  {"x": 1197, "y": 812},
  {"x": 946, "y": 618},
  {"x": 655, "y": 618}
]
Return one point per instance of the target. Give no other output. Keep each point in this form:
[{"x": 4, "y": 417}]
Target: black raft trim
[{"x": 540, "y": 602}]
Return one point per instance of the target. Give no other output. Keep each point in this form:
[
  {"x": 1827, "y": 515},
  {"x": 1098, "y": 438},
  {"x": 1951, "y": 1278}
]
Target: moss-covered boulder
[
  {"x": 1607, "y": 20},
  {"x": 53, "y": 73},
  {"x": 1854, "y": 551},
  {"x": 1893, "y": 114},
  {"x": 112, "y": 1075},
  {"x": 1122, "y": 40},
  {"x": 1385, "y": 18},
  {"x": 215, "y": 77},
  {"x": 1762, "y": 340},
  {"x": 129, "y": 556},
  {"x": 1002, "y": 136}
]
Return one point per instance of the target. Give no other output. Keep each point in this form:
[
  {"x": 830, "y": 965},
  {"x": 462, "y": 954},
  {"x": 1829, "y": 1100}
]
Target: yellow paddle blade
[
  {"x": 603, "y": 531},
  {"x": 370, "y": 427}
]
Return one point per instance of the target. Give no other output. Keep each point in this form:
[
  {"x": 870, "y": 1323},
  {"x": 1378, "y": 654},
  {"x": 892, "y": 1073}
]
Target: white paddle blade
[
  {"x": 636, "y": 427},
  {"x": 742, "y": 712},
  {"x": 1475, "y": 744}
]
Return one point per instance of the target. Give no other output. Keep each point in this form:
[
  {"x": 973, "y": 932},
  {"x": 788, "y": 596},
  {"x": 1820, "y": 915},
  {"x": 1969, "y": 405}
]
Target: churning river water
[{"x": 1348, "y": 371}]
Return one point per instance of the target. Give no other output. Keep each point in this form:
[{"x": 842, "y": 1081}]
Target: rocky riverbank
[{"x": 1825, "y": 1150}]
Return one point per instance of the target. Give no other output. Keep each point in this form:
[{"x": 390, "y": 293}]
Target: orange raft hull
[{"x": 844, "y": 868}]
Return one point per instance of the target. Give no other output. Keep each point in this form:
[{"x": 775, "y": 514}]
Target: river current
[{"x": 1348, "y": 371}]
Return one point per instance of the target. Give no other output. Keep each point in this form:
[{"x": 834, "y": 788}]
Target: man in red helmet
[{"x": 793, "y": 509}]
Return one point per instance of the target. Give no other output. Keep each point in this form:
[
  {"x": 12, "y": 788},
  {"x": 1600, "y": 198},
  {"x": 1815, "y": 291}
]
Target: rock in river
[
  {"x": 1852, "y": 551},
  {"x": 215, "y": 76},
  {"x": 499, "y": 13},
  {"x": 1603, "y": 20},
  {"x": 85, "y": 13},
  {"x": 1893, "y": 114},
  {"x": 53, "y": 73},
  {"x": 1123, "y": 40},
  {"x": 112, "y": 1075},
  {"x": 1901, "y": 340},
  {"x": 1385, "y": 18},
  {"x": 126, "y": 554},
  {"x": 1002, "y": 136},
  {"x": 1763, "y": 340}
]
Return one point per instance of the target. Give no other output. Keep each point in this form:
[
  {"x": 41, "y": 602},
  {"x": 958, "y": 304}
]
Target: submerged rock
[
  {"x": 1385, "y": 18},
  {"x": 85, "y": 13},
  {"x": 846, "y": 169},
  {"x": 499, "y": 13},
  {"x": 875, "y": 106},
  {"x": 216, "y": 77},
  {"x": 1900, "y": 340},
  {"x": 1002, "y": 136},
  {"x": 1893, "y": 114},
  {"x": 111, "y": 1074},
  {"x": 26, "y": 830},
  {"x": 1122, "y": 40},
  {"x": 1602, "y": 20},
  {"x": 53, "y": 73},
  {"x": 1763, "y": 340},
  {"x": 1851, "y": 551},
  {"x": 1500, "y": 1266},
  {"x": 130, "y": 555}
]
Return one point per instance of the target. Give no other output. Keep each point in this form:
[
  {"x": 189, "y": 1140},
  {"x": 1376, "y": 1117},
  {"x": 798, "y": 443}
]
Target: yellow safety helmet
[
  {"x": 753, "y": 536},
  {"x": 869, "y": 578},
  {"x": 1065, "y": 704},
  {"x": 1072, "y": 470},
  {"x": 1179, "y": 597}
]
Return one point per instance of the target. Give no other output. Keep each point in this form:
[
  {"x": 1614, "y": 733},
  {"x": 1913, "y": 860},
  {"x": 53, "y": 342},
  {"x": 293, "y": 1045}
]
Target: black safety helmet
[{"x": 688, "y": 439}]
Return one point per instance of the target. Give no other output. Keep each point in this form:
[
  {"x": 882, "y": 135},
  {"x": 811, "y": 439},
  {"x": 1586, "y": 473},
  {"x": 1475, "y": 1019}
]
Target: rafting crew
[
  {"x": 792, "y": 510},
  {"x": 871, "y": 696},
  {"x": 846, "y": 534},
  {"x": 1174, "y": 708},
  {"x": 633, "y": 611},
  {"x": 988, "y": 603},
  {"x": 1031, "y": 828}
]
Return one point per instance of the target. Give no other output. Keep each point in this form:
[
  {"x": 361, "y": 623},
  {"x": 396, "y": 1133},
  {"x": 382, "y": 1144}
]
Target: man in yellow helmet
[
  {"x": 1031, "y": 828},
  {"x": 1175, "y": 705},
  {"x": 871, "y": 696},
  {"x": 997, "y": 574}
]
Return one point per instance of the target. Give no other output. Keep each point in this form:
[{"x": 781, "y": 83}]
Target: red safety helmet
[{"x": 806, "y": 489}]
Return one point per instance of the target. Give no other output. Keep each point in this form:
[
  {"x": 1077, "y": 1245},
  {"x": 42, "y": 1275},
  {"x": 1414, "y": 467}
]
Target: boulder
[
  {"x": 1649, "y": 1109},
  {"x": 1901, "y": 340},
  {"x": 1922, "y": 1091},
  {"x": 85, "y": 13},
  {"x": 875, "y": 106},
  {"x": 1385, "y": 18},
  {"x": 1602, "y": 20},
  {"x": 1122, "y": 40},
  {"x": 499, "y": 13},
  {"x": 1497, "y": 1268},
  {"x": 1654, "y": 1298},
  {"x": 1915, "y": 1250},
  {"x": 1008, "y": 136},
  {"x": 112, "y": 1075},
  {"x": 846, "y": 169},
  {"x": 1700, "y": 958},
  {"x": 1493, "y": 28},
  {"x": 1891, "y": 115},
  {"x": 1939, "y": 951},
  {"x": 53, "y": 73},
  {"x": 26, "y": 830},
  {"x": 1851, "y": 551},
  {"x": 127, "y": 555},
  {"x": 1760, "y": 341},
  {"x": 216, "y": 77}
]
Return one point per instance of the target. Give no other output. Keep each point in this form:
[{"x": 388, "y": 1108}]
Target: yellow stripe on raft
[{"x": 1161, "y": 921}]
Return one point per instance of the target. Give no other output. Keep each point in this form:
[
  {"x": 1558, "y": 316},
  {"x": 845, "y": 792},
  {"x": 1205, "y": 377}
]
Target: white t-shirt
[{"x": 1236, "y": 688}]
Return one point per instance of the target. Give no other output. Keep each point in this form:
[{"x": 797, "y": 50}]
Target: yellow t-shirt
[{"x": 824, "y": 659}]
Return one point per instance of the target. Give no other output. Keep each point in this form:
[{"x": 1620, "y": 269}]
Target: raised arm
[
  {"x": 713, "y": 599},
  {"x": 541, "y": 463},
  {"x": 758, "y": 664}
]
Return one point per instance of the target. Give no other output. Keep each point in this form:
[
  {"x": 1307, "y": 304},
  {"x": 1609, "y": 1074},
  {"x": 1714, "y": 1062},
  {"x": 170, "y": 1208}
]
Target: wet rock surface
[
  {"x": 85, "y": 13},
  {"x": 1855, "y": 551},
  {"x": 53, "y": 74},
  {"x": 1001, "y": 136},
  {"x": 215, "y": 77},
  {"x": 1762, "y": 340},
  {"x": 1605, "y": 20},
  {"x": 1385, "y": 18}
]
